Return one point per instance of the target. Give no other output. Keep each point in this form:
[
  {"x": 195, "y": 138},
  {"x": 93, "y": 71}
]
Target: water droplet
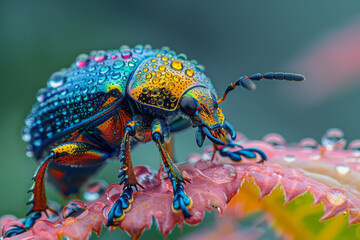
[
  {"x": 92, "y": 68},
  {"x": 42, "y": 226},
  {"x": 26, "y": 137},
  {"x": 29, "y": 153},
  {"x": 37, "y": 143},
  {"x": 222, "y": 174},
  {"x": 138, "y": 49},
  {"x": 124, "y": 48},
  {"x": 41, "y": 95},
  {"x": 113, "y": 192},
  {"x": 308, "y": 143},
  {"x": 355, "y": 145},
  {"x": 182, "y": 56},
  {"x": 100, "y": 56},
  {"x": 116, "y": 75},
  {"x": 162, "y": 68},
  {"x": 160, "y": 102},
  {"x": 49, "y": 134},
  {"x": 76, "y": 118},
  {"x": 315, "y": 157},
  {"x": 93, "y": 89},
  {"x": 194, "y": 62},
  {"x": 336, "y": 196},
  {"x": 29, "y": 121},
  {"x": 5, "y": 219},
  {"x": 101, "y": 79},
  {"x": 173, "y": 98},
  {"x": 74, "y": 209},
  {"x": 95, "y": 190},
  {"x": 177, "y": 65},
  {"x": 104, "y": 69},
  {"x": 274, "y": 139},
  {"x": 200, "y": 68},
  {"x": 342, "y": 169},
  {"x": 146, "y": 176},
  {"x": 189, "y": 72},
  {"x": 356, "y": 154},
  {"x": 155, "y": 80},
  {"x": 333, "y": 139},
  {"x": 289, "y": 158},
  {"x": 56, "y": 80},
  {"x": 176, "y": 78},
  {"x": 155, "y": 92},
  {"x": 81, "y": 60},
  {"x": 126, "y": 54},
  {"x": 131, "y": 64},
  {"x": 118, "y": 64}
]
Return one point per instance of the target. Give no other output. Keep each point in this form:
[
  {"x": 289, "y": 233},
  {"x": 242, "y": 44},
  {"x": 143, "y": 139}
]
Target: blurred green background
[{"x": 230, "y": 38}]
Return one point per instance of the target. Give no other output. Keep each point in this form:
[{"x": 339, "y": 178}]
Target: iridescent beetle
[{"x": 88, "y": 112}]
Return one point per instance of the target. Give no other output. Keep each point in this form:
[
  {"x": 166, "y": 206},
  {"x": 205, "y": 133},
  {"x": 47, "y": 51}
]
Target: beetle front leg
[
  {"x": 181, "y": 203},
  {"x": 127, "y": 177}
]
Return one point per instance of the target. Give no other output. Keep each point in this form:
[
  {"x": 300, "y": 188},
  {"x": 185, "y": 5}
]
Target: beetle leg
[
  {"x": 72, "y": 154},
  {"x": 181, "y": 203},
  {"x": 169, "y": 147},
  {"x": 127, "y": 177}
]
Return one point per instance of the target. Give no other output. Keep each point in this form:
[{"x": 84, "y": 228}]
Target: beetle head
[{"x": 200, "y": 104}]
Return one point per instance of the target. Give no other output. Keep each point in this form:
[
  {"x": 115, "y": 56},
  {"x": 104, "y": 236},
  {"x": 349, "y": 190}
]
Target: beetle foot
[
  {"x": 32, "y": 218},
  {"x": 27, "y": 223},
  {"x": 14, "y": 230},
  {"x": 251, "y": 153},
  {"x": 182, "y": 202},
  {"x": 120, "y": 207}
]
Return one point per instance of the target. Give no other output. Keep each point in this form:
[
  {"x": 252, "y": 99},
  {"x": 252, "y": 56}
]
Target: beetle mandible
[{"x": 106, "y": 101}]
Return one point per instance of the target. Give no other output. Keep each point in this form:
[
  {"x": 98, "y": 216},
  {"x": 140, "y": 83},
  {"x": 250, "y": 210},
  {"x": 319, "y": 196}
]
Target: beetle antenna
[{"x": 247, "y": 82}]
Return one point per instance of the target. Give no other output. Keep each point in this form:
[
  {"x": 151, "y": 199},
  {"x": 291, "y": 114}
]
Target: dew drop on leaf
[
  {"x": 95, "y": 190},
  {"x": 308, "y": 143},
  {"x": 342, "y": 169},
  {"x": 225, "y": 174},
  {"x": 355, "y": 145},
  {"x": 289, "y": 158},
  {"x": 274, "y": 139},
  {"x": 336, "y": 196},
  {"x": 74, "y": 209},
  {"x": 113, "y": 192},
  {"x": 333, "y": 139}
]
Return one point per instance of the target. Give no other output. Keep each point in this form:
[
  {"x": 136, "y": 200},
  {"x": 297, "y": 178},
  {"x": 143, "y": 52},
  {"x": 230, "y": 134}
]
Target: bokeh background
[{"x": 320, "y": 39}]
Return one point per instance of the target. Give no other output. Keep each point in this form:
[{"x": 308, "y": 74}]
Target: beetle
[{"x": 109, "y": 100}]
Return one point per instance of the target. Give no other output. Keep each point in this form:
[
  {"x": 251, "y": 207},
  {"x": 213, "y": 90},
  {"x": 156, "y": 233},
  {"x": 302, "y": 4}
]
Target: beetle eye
[{"x": 188, "y": 105}]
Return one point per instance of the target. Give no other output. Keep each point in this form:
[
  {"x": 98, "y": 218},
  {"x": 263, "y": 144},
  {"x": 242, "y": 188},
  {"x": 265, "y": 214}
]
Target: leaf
[
  {"x": 303, "y": 179},
  {"x": 323, "y": 180}
]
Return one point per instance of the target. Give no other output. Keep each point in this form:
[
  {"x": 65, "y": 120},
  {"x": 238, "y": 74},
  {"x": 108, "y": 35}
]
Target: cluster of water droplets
[
  {"x": 75, "y": 94},
  {"x": 332, "y": 140}
]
